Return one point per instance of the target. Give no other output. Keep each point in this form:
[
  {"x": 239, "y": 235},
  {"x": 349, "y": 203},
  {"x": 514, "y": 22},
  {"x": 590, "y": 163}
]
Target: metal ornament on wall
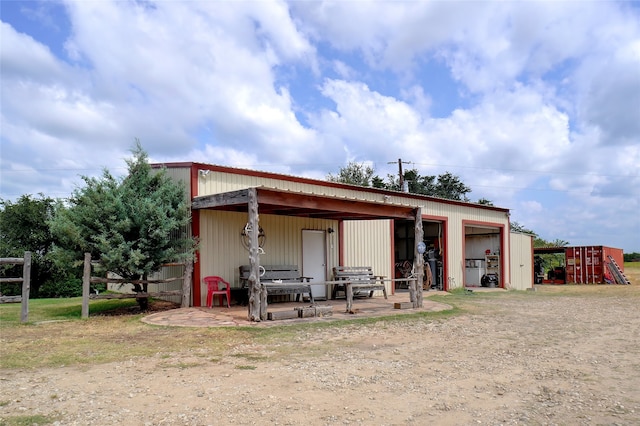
[
  {"x": 421, "y": 247},
  {"x": 245, "y": 237}
]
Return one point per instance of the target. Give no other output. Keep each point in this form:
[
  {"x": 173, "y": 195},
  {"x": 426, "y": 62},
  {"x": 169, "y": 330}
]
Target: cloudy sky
[{"x": 534, "y": 105}]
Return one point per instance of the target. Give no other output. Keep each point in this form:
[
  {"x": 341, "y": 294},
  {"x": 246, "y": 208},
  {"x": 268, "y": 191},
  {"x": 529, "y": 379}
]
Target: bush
[
  {"x": 11, "y": 289},
  {"x": 70, "y": 287}
]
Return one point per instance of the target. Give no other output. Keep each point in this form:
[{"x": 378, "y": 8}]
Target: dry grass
[
  {"x": 104, "y": 339},
  {"x": 65, "y": 339},
  {"x": 632, "y": 271},
  {"x": 56, "y": 336}
]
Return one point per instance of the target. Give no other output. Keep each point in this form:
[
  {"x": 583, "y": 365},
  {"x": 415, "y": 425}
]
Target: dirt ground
[{"x": 533, "y": 358}]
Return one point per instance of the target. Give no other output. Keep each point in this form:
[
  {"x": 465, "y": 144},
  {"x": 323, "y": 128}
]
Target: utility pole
[{"x": 400, "y": 172}]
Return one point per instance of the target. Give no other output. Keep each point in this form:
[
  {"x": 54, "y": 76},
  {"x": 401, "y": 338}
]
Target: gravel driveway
[{"x": 534, "y": 358}]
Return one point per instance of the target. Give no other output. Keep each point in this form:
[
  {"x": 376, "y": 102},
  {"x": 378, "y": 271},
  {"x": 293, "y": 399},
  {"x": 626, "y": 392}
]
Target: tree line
[{"x": 445, "y": 185}]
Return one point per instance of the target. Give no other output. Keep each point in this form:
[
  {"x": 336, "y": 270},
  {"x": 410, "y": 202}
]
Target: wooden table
[{"x": 349, "y": 287}]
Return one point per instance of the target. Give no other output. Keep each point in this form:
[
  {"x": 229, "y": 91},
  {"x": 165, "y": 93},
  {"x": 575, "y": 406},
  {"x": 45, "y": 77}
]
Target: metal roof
[
  {"x": 548, "y": 250},
  {"x": 289, "y": 203},
  {"x": 270, "y": 175}
]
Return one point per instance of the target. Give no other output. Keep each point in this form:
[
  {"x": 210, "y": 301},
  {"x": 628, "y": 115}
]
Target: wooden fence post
[
  {"x": 186, "y": 284},
  {"x": 86, "y": 285},
  {"x": 26, "y": 286}
]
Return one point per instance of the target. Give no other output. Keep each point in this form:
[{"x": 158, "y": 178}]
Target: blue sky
[{"x": 534, "y": 105}]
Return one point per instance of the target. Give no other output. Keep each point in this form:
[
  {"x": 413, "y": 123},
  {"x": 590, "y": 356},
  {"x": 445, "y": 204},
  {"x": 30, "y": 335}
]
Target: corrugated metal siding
[
  {"x": 521, "y": 251},
  {"x": 222, "y": 252},
  {"x": 181, "y": 175},
  {"x": 368, "y": 243},
  {"x": 165, "y": 273},
  {"x": 219, "y": 182},
  {"x": 455, "y": 252}
]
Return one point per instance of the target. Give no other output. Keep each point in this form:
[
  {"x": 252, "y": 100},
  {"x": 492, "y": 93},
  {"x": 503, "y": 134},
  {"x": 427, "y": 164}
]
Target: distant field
[{"x": 632, "y": 271}]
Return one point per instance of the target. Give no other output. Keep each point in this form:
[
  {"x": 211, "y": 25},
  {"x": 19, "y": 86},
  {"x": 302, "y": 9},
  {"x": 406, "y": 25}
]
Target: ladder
[{"x": 617, "y": 272}]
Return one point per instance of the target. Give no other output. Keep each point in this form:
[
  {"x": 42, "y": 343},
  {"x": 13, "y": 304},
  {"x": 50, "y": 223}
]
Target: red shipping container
[{"x": 588, "y": 264}]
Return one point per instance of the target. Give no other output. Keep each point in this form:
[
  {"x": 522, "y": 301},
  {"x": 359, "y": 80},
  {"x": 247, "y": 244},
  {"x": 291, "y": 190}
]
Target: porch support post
[
  {"x": 256, "y": 308},
  {"x": 419, "y": 260}
]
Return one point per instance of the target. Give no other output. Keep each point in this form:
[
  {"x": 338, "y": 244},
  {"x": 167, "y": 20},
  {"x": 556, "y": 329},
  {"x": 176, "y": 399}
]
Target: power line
[{"x": 400, "y": 173}]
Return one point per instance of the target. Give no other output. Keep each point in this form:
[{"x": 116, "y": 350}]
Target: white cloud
[
  {"x": 532, "y": 206},
  {"x": 370, "y": 124},
  {"x": 24, "y": 58}
]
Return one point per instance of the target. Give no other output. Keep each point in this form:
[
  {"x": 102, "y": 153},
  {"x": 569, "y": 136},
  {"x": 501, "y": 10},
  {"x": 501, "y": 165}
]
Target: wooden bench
[
  {"x": 361, "y": 278},
  {"x": 288, "y": 280}
]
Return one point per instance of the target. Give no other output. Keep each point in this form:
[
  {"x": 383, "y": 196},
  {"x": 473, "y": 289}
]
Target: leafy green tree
[
  {"x": 23, "y": 227},
  {"x": 132, "y": 225},
  {"x": 485, "y": 202},
  {"x": 517, "y": 227},
  {"x": 354, "y": 174},
  {"x": 425, "y": 185},
  {"x": 631, "y": 257},
  {"x": 451, "y": 187},
  {"x": 539, "y": 242},
  {"x": 558, "y": 243},
  {"x": 378, "y": 182},
  {"x": 446, "y": 185}
]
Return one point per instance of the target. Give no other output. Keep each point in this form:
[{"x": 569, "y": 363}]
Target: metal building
[{"x": 318, "y": 225}]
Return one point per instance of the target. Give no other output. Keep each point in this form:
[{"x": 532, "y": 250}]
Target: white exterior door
[{"x": 314, "y": 260}]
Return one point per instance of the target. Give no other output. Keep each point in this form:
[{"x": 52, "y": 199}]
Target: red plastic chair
[{"x": 213, "y": 287}]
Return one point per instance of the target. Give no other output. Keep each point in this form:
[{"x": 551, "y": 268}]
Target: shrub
[{"x": 70, "y": 287}]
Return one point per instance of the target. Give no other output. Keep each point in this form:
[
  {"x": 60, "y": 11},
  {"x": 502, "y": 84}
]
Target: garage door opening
[
  {"x": 434, "y": 256},
  {"x": 483, "y": 253}
]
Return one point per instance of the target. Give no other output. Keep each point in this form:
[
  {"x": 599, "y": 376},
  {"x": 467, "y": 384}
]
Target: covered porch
[{"x": 258, "y": 201}]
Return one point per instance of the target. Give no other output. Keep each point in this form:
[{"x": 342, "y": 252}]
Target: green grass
[{"x": 41, "y": 310}]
